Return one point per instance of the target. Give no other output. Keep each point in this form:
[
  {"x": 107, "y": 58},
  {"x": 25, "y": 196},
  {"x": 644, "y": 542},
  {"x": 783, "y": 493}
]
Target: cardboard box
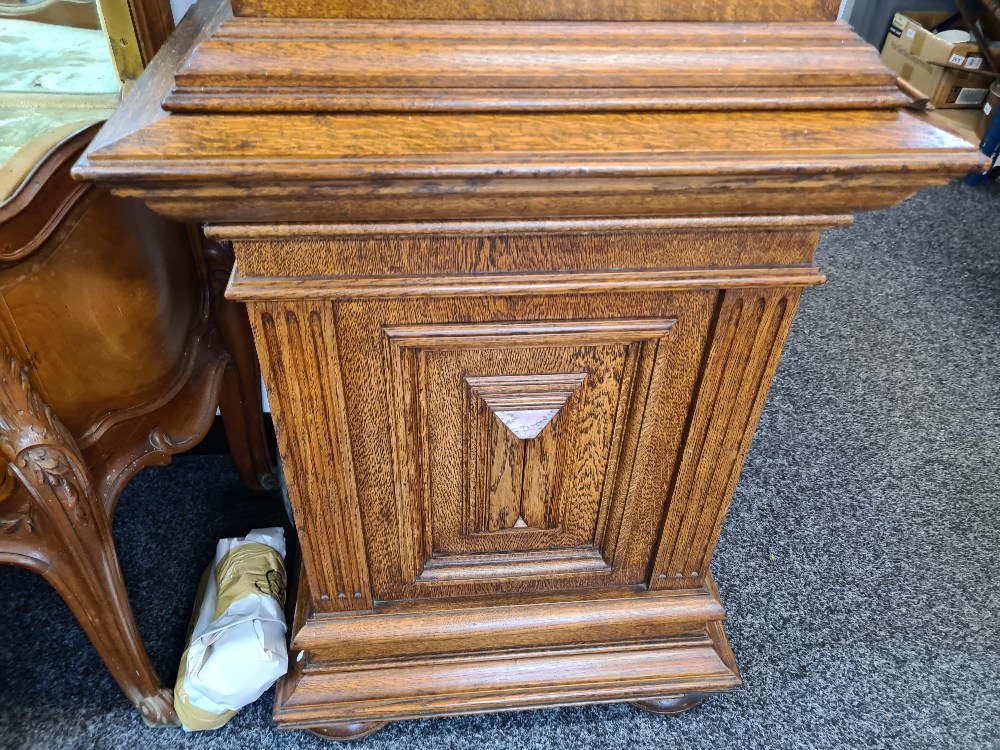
[
  {"x": 943, "y": 71},
  {"x": 913, "y": 29}
]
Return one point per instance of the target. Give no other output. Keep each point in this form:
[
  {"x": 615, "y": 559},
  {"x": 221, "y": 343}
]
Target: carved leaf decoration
[
  {"x": 38, "y": 447},
  {"x": 52, "y": 467},
  {"x": 8, "y": 483},
  {"x": 23, "y": 520}
]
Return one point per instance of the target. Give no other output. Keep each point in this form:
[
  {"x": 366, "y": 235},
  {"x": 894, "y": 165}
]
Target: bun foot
[
  {"x": 347, "y": 730},
  {"x": 675, "y": 704}
]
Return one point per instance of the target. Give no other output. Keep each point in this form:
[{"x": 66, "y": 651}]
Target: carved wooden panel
[
  {"x": 507, "y": 460},
  {"x": 494, "y": 466},
  {"x": 513, "y": 440}
]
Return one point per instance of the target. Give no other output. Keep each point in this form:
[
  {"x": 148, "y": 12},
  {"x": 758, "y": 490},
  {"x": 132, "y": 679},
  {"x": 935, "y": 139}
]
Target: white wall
[{"x": 179, "y": 7}]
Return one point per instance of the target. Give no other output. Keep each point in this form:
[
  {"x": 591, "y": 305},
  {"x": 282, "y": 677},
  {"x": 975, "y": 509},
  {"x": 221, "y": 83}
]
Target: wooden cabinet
[
  {"x": 515, "y": 496},
  {"x": 505, "y": 454},
  {"x": 519, "y": 276}
]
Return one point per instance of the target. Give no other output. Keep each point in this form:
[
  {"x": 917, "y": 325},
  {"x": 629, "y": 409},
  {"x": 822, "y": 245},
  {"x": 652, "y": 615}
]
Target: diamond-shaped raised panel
[{"x": 514, "y": 441}]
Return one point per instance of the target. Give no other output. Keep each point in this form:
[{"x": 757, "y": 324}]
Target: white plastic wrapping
[{"x": 235, "y": 654}]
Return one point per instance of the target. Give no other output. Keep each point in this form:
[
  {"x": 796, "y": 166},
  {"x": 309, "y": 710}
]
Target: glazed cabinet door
[{"x": 515, "y": 444}]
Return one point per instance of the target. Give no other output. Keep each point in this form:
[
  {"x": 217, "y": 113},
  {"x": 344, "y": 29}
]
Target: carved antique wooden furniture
[
  {"x": 519, "y": 274},
  {"x": 110, "y": 358}
]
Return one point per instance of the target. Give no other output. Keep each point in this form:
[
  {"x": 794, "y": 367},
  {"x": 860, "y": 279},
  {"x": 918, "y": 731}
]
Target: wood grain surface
[
  {"x": 552, "y": 10},
  {"x": 109, "y": 362},
  {"x": 253, "y": 65},
  {"x": 507, "y": 166},
  {"x": 107, "y": 365}
]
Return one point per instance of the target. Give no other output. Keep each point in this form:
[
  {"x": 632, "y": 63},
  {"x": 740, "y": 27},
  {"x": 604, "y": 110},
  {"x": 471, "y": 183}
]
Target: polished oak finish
[
  {"x": 519, "y": 276},
  {"x": 545, "y": 10},
  {"x": 250, "y": 65}
]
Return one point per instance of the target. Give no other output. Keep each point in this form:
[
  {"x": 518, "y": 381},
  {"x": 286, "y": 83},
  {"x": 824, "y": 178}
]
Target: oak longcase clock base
[
  {"x": 511, "y": 502},
  {"x": 662, "y": 651},
  {"x": 518, "y": 496}
]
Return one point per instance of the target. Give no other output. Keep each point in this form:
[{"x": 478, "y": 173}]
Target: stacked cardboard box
[
  {"x": 945, "y": 72},
  {"x": 950, "y": 74}
]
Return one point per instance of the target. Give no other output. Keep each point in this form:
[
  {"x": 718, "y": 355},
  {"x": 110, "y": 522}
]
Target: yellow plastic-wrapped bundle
[{"x": 237, "y": 647}]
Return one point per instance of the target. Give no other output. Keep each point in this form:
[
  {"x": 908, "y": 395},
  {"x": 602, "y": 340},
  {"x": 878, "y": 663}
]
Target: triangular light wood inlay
[
  {"x": 526, "y": 404},
  {"x": 528, "y": 423}
]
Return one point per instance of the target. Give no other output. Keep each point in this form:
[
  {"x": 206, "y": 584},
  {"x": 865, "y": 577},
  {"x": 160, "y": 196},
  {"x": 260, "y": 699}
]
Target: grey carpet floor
[{"x": 860, "y": 562}]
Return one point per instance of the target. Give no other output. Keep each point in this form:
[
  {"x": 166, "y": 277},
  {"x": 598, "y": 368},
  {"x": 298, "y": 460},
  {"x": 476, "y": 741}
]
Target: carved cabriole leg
[
  {"x": 240, "y": 399},
  {"x": 64, "y": 533}
]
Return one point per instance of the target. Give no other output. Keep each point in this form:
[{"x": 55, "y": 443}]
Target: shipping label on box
[
  {"x": 945, "y": 87},
  {"x": 913, "y": 30}
]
